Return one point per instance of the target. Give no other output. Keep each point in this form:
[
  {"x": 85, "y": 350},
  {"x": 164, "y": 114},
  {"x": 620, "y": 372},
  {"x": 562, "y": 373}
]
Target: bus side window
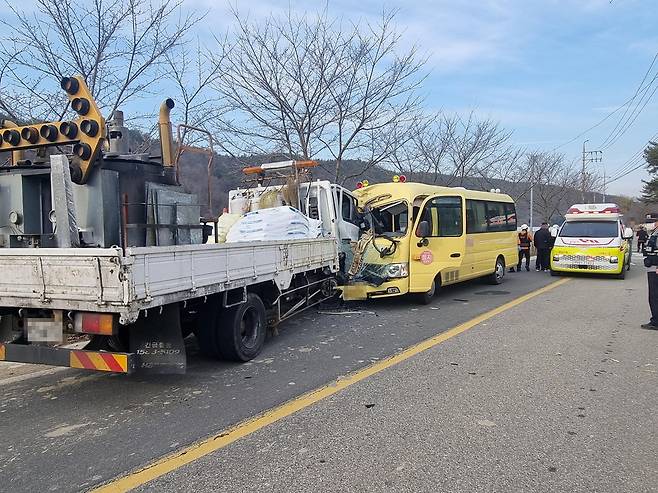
[
  {"x": 510, "y": 213},
  {"x": 476, "y": 220},
  {"x": 445, "y": 216}
]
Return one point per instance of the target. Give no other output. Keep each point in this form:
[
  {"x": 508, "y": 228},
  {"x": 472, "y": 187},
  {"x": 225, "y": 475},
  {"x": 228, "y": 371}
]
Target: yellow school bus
[{"x": 422, "y": 237}]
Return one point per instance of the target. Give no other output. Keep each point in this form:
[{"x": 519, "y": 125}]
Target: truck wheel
[
  {"x": 206, "y": 329},
  {"x": 241, "y": 330},
  {"x": 427, "y": 297},
  {"x": 497, "y": 276}
]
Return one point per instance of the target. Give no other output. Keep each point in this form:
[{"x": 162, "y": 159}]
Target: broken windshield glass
[{"x": 390, "y": 219}]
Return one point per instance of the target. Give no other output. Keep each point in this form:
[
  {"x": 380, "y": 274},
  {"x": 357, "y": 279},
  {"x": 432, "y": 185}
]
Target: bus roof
[{"x": 412, "y": 191}]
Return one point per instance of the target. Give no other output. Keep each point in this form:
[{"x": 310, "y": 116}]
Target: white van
[{"x": 592, "y": 239}]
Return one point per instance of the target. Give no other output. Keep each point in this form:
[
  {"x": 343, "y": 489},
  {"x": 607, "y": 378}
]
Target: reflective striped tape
[{"x": 92, "y": 360}]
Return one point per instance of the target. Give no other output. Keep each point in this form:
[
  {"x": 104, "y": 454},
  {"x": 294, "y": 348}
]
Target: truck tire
[
  {"x": 497, "y": 276},
  {"x": 236, "y": 333},
  {"x": 242, "y": 329},
  {"x": 206, "y": 329}
]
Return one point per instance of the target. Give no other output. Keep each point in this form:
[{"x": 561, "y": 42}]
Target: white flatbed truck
[{"x": 110, "y": 253}]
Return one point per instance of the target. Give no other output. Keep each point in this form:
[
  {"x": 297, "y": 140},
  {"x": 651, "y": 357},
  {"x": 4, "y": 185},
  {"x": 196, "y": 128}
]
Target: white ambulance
[{"x": 592, "y": 239}]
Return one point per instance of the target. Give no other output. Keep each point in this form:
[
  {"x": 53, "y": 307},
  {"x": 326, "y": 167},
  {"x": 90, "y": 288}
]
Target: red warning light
[{"x": 403, "y": 178}]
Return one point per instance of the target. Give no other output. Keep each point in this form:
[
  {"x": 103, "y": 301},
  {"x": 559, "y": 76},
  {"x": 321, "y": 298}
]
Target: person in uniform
[
  {"x": 652, "y": 278},
  {"x": 524, "y": 241},
  {"x": 542, "y": 241}
]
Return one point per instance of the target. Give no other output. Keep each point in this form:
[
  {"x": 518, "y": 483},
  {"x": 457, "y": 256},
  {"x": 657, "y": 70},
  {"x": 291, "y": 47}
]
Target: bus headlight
[
  {"x": 614, "y": 260},
  {"x": 556, "y": 258},
  {"x": 394, "y": 271}
]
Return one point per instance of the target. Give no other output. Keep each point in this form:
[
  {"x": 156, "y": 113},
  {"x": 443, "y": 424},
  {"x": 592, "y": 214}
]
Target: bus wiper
[{"x": 389, "y": 250}]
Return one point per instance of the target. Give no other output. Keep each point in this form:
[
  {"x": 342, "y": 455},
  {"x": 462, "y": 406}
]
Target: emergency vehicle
[{"x": 593, "y": 239}]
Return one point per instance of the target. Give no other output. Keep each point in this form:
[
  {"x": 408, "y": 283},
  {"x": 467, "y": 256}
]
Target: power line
[
  {"x": 628, "y": 166},
  {"x": 642, "y": 164},
  {"x": 632, "y": 117},
  {"x": 584, "y": 132},
  {"x": 629, "y": 163},
  {"x": 637, "y": 91},
  {"x": 635, "y": 162},
  {"x": 626, "y": 105}
]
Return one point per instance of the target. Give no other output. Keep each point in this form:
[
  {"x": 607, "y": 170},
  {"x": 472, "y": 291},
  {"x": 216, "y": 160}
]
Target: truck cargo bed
[{"x": 107, "y": 280}]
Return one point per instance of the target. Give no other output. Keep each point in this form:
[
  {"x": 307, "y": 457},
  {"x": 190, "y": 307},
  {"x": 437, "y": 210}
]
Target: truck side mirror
[{"x": 628, "y": 234}]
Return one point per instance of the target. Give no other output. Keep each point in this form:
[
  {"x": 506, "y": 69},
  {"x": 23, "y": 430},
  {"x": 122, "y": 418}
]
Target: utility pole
[
  {"x": 588, "y": 157},
  {"x": 604, "y": 184},
  {"x": 532, "y": 187}
]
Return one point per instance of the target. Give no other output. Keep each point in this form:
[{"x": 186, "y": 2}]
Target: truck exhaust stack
[{"x": 166, "y": 138}]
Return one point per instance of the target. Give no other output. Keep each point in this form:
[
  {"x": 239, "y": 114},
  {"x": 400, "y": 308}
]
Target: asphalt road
[{"x": 491, "y": 409}]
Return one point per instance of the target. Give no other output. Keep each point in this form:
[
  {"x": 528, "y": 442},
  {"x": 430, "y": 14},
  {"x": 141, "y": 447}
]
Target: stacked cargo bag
[
  {"x": 224, "y": 225},
  {"x": 276, "y": 223}
]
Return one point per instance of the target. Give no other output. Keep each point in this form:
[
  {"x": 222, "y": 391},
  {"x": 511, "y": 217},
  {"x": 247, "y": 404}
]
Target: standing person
[
  {"x": 652, "y": 278},
  {"x": 543, "y": 245},
  {"x": 524, "y": 241},
  {"x": 642, "y": 237}
]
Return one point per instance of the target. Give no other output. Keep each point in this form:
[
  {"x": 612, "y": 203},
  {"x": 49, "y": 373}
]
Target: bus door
[{"x": 437, "y": 243}]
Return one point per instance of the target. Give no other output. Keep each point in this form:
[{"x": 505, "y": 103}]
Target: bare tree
[
  {"x": 510, "y": 171},
  {"x": 194, "y": 70},
  {"x": 429, "y": 147},
  {"x": 476, "y": 145},
  {"x": 449, "y": 150},
  {"x": 305, "y": 86},
  {"x": 554, "y": 180},
  {"x": 119, "y": 47}
]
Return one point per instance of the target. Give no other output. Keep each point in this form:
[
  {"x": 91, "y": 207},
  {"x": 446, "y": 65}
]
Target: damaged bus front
[
  {"x": 421, "y": 237},
  {"x": 380, "y": 266}
]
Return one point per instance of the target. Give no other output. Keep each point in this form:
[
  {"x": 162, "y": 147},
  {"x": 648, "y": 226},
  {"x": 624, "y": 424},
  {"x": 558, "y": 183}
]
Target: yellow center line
[{"x": 200, "y": 449}]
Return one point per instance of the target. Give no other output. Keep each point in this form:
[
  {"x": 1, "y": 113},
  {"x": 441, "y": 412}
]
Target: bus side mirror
[
  {"x": 628, "y": 234},
  {"x": 423, "y": 231}
]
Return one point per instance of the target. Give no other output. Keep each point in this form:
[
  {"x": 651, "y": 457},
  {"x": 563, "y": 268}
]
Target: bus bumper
[{"x": 365, "y": 291}]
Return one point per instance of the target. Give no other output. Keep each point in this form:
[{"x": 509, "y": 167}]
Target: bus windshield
[
  {"x": 590, "y": 229},
  {"x": 390, "y": 219}
]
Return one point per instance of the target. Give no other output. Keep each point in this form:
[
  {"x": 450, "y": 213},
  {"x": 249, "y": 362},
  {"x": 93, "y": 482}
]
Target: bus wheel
[
  {"x": 427, "y": 297},
  {"x": 622, "y": 274},
  {"x": 496, "y": 277}
]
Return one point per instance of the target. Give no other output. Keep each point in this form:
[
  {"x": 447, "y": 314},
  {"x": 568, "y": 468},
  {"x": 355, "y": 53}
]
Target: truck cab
[{"x": 333, "y": 205}]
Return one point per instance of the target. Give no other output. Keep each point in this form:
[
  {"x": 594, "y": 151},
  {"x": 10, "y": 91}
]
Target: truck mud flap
[
  {"x": 157, "y": 340},
  {"x": 73, "y": 358}
]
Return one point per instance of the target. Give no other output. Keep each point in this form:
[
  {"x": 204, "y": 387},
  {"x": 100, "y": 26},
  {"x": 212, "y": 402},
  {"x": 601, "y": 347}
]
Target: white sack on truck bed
[{"x": 276, "y": 223}]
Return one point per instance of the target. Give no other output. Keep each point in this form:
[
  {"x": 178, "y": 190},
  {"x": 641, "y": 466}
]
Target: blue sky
[{"x": 547, "y": 70}]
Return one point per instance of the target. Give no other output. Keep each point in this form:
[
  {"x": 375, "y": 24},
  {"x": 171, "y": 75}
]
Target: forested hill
[{"x": 550, "y": 202}]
